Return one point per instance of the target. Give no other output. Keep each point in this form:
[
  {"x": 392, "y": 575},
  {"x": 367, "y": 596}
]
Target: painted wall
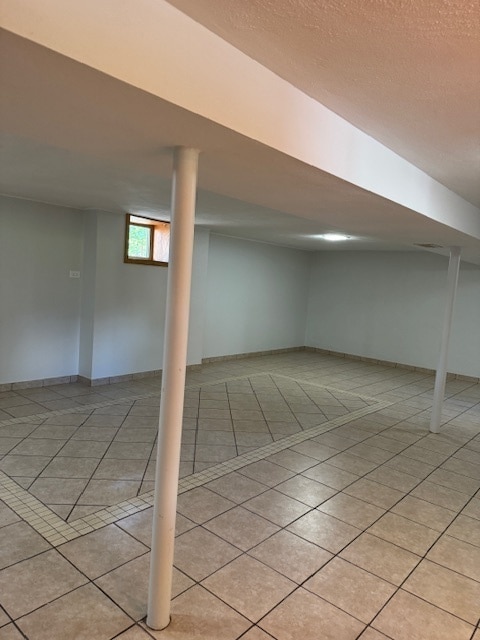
[
  {"x": 39, "y": 302},
  {"x": 256, "y": 297},
  {"x": 246, "y": 297},
  {"x": 124, "y": 304},
  {"x": 390, "y": 306}
]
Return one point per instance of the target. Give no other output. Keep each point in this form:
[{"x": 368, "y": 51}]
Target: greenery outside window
[{"x": 147, "y": 241}]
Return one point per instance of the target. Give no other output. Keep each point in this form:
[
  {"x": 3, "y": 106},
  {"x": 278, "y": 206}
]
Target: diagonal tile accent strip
[{"x": 57, "y": 531}]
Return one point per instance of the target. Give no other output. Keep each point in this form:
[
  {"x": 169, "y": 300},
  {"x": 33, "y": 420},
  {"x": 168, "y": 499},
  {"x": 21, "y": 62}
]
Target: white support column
[
  {"x": 173, "y": 385},
  {"x": 441, "y": 376}
]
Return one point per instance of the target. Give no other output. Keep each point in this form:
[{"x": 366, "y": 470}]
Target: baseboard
[
  {"x": 95, "y": 382},
  {"x": 389, "y": 363}
]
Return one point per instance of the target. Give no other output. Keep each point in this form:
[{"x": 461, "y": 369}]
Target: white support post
[
  {"x": 173, "y": 385},
  {"x": 441, "y": 375}
]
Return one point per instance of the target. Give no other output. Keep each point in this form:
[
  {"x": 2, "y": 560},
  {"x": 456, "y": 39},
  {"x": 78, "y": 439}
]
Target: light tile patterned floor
[{"x": 320, "y": 506}]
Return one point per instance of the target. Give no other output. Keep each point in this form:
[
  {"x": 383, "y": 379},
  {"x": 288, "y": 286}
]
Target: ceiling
[
  {"x": 404, "y": 72},
  {"x": 407, "y": 72}
]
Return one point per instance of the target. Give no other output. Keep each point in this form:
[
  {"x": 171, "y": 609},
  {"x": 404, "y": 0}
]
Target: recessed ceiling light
[{"x": 334, "y": 237}]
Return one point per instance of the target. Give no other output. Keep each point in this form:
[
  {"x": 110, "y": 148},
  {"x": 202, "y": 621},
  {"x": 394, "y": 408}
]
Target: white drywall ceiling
[
  {"x": 406, "y": 72},
  {"x": 77, "y": 137}
]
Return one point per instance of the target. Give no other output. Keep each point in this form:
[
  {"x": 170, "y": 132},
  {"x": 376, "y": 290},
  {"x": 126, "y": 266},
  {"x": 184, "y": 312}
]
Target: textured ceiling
[
  {"x": 407, "y": 72},
  {"x": 77, "y": 137}
]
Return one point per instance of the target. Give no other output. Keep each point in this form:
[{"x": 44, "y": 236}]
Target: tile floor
[{"x": 322, "y": 506}]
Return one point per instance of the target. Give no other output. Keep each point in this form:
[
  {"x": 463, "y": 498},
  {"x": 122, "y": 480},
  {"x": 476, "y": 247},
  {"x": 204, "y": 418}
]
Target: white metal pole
[
  {"x": 441, "y": 376},
  {"x": 173, "y": 385}
]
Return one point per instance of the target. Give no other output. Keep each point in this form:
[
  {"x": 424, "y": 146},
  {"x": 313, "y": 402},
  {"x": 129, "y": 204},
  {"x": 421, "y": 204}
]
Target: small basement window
[{"x": 147, "y": 241}]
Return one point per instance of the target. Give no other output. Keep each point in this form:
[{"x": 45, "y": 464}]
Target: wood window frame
[{"x": 154, "y": 226}]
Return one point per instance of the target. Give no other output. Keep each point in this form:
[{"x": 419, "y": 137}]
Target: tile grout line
[
  {"x": 57, "y": 531},
  {"x": 150, "y": 394}
]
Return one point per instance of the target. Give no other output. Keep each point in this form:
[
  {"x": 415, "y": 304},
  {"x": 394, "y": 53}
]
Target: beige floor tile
[
  {"x": 331, "y": 439},
  {"x": 214, "y": 453},
  {"x": 236, "y": 487},
  {"x": 110, "y": 469},
  {"x": 294, "y": 557},
  {"x": 57, "y": 432},
  {"x": 472, "y": 509},
  {"x": 62, "y": 510},
  {"x": 135, "y": 422},
  {"x": 351, "y": 589},
  {"x": 198, "y": 615},
  {"x": 426, "y": 513},
  {"x": 84, "y": 449},
  {"x": 213, "y": 424},
  {"x": 10, "y": 632},
  {"x": 372, "y": 634},
  {"x": 315, "y": 450},
  {"x": 100, "y": 434},
  {"x": 416, "y": 468},
  {"x": 353, "y": 463},
  {"x": 446, "y": 589},
  {"x": 218, "y": 414},
  {"x": 292, "y": 460},
  {"x": 64, "y": 467},
  {"x": 105, "y": 420},
  {"x": 310, "y": 492},
  {"x": 442, "y": 496},
  {"x": 370, "y": 451},
  {"x": 381, "y": 558},
  {"x": 241, "y": 527},
  {"x": 406, "y": 617},
  {"x": 374, "y": 493},
  {"x": 38, "y": 447},
  {"x": 129, "y": 450},
  {"x": 331, "y": 476},
  {"x": 127, "y": 586},
  {"x": 201, "y": 504},
  {"x": 186, "y": 469},
  {"x": 198, "y": 553},
  {"x": 351, "y": 510},
  {"x": 328, "y": 532},
  {"x": 266, "y": 472},
  {"x": 282, "y": 429},
  {"x": 18, "y": 541},
  {"x": 249, "y": 586},
  {"x": 4, "y": 619},
  {"x": 7, "y": 516},
  {"x": 276, "y": 507},
  {"x": 101, "y": 492},
  {"x": 463, "y": 467},
  {"x": 32, "y": 583},
  {"x": 250, "y": 426},
  {"x": 404, "y": 533},
  {"x": 306, "y": 616},
  {"x": 417, "y": 452},
  {"x": 468, "y": 455},
  {"x": 466, "y": 529},
  {"x": 147, "y": 434},
  {"x": 101, "y": 551},
  {"x": 135, "y": 633},
  {"x": 82, "y": 614},
  {"x": 139, "y": 525},
  {"x": 215, "y": 437},
  {"x": 29, "y": 466},
  {"x": 255, "y": 633},
  {"x": 457, "y": 555},
  {"x": 246, "y": 439},
  {"x": 55, "y": 491},
  {"x": 393, "y": 478},
  {"x": 455, "y": 481},
  {"x": 81, "y": 512}
]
